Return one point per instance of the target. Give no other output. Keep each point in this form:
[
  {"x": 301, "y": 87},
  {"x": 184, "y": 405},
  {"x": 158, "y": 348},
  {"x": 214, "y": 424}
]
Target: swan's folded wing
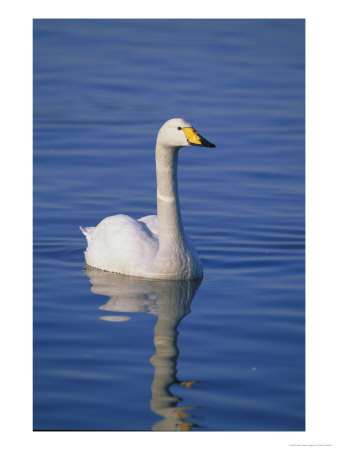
[
  {"x": 151, "y": 222},
  {"x": 121, "y": 244}
]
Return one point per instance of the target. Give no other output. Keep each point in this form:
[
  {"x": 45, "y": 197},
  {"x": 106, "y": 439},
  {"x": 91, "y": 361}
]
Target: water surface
[{"x": 117, "y": 353}]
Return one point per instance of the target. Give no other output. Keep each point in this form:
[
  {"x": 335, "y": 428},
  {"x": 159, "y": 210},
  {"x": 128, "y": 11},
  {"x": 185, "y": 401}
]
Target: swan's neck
[{"x": 170, "y": 226}]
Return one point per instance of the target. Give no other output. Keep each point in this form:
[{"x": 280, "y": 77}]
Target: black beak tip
[{"x": 208, "y": 144}]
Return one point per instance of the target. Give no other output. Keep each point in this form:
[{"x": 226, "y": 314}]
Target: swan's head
[{"x": 180, "y": 133}]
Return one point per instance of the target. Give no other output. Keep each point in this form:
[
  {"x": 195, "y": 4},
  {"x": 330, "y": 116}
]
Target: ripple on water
[{"x": 241, "y": 348}]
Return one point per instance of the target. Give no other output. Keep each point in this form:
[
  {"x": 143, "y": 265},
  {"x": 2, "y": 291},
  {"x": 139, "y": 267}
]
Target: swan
[{"x": 155, "y": 247}]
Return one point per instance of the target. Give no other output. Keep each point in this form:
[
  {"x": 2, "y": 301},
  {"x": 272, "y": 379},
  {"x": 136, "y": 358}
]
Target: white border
[{"x": 321, "y": 227}]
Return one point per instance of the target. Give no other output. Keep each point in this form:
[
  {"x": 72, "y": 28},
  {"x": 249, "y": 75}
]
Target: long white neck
[
  {"x": 176, "y": 256},
  {"x": 170, "y": 225}
]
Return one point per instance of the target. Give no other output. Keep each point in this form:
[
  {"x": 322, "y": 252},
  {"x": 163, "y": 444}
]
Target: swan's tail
[{"x": 87, "y": 231}]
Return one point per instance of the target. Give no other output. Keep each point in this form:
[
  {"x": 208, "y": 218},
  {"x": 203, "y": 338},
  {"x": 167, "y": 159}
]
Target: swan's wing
[
  {"x": 151, "y": 222},
  {"x": 121, "y": 244}
]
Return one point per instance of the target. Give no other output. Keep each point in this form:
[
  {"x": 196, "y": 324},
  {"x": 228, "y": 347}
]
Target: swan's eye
[{"x": 179, "y": 128}]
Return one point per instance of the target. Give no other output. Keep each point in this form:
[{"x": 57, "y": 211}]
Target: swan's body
[{"x": 153, "y": 246}]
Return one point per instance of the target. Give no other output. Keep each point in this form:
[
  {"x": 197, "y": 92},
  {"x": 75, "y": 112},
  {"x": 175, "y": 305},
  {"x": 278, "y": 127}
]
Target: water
[{"x": 117, "y": 353}]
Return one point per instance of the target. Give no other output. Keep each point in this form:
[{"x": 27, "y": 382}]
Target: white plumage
[{"x": 152, "y": 246}]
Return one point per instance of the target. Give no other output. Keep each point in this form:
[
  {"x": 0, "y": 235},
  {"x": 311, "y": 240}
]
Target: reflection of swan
[
  {"x": 170, "y": 301},
  {"x": 153, "y": 246}
]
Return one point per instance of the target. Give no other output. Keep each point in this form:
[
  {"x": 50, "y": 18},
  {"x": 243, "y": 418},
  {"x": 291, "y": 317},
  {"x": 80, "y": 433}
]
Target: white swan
[{"x": 154, "y": 246}]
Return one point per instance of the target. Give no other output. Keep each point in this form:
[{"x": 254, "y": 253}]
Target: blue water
[{"x": 118, "y": 353}]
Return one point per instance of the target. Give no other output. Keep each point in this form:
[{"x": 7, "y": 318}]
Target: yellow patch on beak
[{"x": 192, "y": 136}]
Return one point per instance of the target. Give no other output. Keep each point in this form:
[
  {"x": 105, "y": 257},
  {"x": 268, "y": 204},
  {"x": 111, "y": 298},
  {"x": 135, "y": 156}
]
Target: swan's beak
[{"x": 194, "y": 138}]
